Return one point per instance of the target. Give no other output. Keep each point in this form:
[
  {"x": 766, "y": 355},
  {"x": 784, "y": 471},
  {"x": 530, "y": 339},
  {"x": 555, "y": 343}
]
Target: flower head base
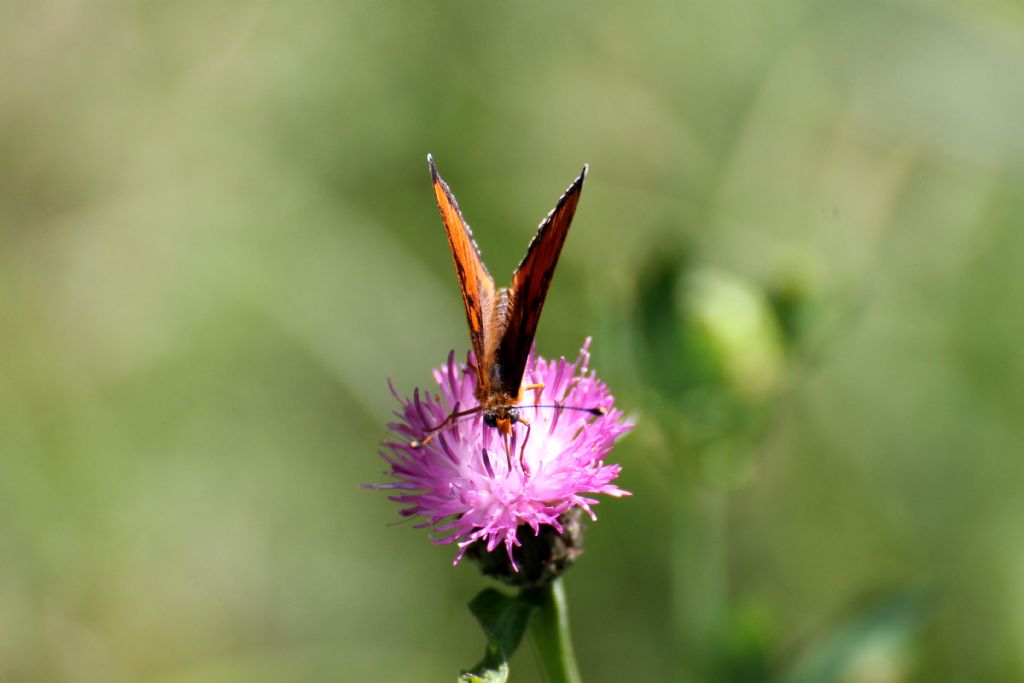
[{"x": 473, "y": 484}]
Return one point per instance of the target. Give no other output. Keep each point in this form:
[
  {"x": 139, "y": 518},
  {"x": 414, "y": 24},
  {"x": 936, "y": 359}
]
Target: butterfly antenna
[{"x": 593, "y": 411}]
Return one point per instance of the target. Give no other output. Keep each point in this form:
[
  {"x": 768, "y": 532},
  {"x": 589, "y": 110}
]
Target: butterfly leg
[
  {"x": 433, "y": 431},
  {"x": 522, "y": 449}
]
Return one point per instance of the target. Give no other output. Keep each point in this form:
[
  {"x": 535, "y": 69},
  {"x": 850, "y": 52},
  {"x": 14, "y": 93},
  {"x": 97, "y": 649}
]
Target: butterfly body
[{"x": 503, "y": 322}]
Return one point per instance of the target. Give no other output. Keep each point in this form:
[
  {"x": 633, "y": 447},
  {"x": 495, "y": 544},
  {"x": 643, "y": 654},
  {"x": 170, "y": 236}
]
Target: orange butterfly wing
[
  {"x": 474, "y": 281},
  {"x": 530, "y": 286}
]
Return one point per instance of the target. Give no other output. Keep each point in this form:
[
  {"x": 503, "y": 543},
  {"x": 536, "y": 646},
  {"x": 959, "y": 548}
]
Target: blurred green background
[{"x": 799, "y": 252}]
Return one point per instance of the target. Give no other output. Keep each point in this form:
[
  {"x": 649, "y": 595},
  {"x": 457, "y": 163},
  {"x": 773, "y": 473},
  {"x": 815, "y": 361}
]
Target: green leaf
[
  {"x": 504, "y": 620},
  {"x": 878, "y": 634}
]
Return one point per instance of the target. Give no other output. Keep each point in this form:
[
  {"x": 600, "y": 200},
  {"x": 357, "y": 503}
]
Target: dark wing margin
[
  {"x": 530, "y": 286},
  {"x": 474, "y": 281}
]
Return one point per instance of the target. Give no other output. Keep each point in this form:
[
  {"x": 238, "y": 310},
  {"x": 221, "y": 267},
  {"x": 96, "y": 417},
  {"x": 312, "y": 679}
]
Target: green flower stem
[
  {"x": 549, "y": 634},
  {"x": 699, "y": 568}
]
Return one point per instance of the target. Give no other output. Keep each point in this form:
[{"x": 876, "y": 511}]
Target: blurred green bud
[
  {"x": 706, "y": 334},
  {"x": 711, "y": 346},
  {"x": 739, "y": 328}
]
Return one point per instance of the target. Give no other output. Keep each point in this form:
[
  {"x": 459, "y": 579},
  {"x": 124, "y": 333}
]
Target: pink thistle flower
[{"x": 471, "y": 484}]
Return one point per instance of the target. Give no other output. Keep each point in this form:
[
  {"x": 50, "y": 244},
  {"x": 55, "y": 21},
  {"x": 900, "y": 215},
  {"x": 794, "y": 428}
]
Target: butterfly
[{"x": 503, "y": 322}]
